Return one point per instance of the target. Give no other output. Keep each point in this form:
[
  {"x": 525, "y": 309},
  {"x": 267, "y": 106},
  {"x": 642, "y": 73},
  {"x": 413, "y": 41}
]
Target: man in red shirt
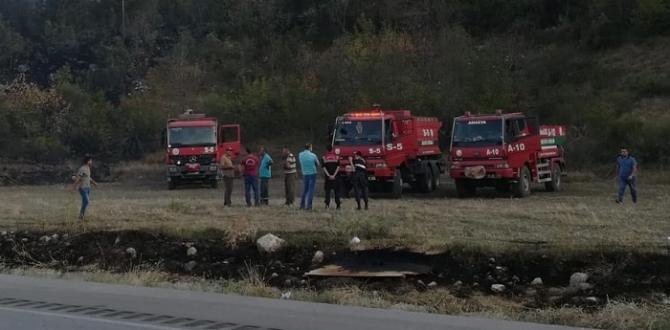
[
  {"x": 333, "y": 181},
  {"x": 249, "y": 168}
]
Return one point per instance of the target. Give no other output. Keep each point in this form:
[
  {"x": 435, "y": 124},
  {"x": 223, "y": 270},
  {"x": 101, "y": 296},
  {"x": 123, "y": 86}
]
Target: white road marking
[{"x": 86, "y": 318}]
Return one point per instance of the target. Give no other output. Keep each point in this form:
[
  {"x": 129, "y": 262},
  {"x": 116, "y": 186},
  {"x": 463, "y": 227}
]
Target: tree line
[{"x": 102, "y": 76}]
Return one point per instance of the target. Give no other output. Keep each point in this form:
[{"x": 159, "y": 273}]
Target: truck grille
[{"x": 200, "y": 159}]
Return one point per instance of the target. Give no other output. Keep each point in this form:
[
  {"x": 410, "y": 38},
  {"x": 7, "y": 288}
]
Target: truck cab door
[{"x": 229, "y": 136}]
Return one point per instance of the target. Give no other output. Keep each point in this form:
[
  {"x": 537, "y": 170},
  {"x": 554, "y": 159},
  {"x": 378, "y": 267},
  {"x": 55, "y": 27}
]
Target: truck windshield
[
  {"x": 358, "y": 132},
  {"x": 191, "y": 136},
  {"x": 477, "y": 132}
]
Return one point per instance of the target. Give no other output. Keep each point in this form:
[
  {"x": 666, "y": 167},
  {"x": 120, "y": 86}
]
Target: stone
[
  {"x": 498, "y": 288},
  {"x": 80, "y": 259},
  {"x": 285, "y": 295},
  {"x": 269, "y": 244},
  {"x": 274, "y": 275},
  {"x": 45, "y": 239},
  {"x": 355, "y": 240},
  {"x": 117, "y": 240},
  {"x": 578, "y": 278},
  {"x": 537, "y": 282},
  {"x": 592, "y": 300},
  {"x": 189, "y": 266},
  {"x": 318, "y": 257},
  {"x": 458, "y": 284},
  {"x": 3, "y": 233},
  {"x": 132, "y": 252},
  {"x": 192, "y": 251},
  {"x": 421, "y": 283},
  {"x": 432, "y": 284},
  {"x": 585, "y": 286},
  {"x": 55, "y": 237},
  {"x": 25, "y": 240}
]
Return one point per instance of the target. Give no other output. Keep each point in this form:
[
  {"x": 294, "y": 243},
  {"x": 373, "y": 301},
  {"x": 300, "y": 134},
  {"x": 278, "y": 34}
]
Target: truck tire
[
  {"x": 396, "y": 188},
  {"x": 424, "y": 180},
  {"x": 522, "y": 187},
  {"x": 435, "y": 182},
  {"x": 555, "y": 183},
  {"x": 465, "y": 188}
]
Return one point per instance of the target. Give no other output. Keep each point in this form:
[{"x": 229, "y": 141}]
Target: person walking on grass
[
  {"x": 228, "y": 173},
  {"x": 265, "y": 173},
  {"x": 249, "y": 168},
  {"x": 626, "y": 170},
  {"x": 360, "y": 178},
  {"x": 290, "y": 173},
  {"x": 83, "y": 182},
  {"x": 332, "y": 180},
  {"x": 309, "y": 162}
]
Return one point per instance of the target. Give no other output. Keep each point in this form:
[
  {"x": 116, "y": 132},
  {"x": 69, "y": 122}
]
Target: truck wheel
[
  {"x": 396, "y": 190},
  {"x": 465, "y": 188},
  {"x": 555, "y": 183},
  {"x": 522, "y": 187},
  {"x": 172, "y": 184},
  {"x": 435, "y": 182},
  {"x": 423, "y": 181}
]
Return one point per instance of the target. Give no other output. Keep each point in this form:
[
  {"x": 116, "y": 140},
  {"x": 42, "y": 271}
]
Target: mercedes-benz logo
[{"x": 193, "y": 159}]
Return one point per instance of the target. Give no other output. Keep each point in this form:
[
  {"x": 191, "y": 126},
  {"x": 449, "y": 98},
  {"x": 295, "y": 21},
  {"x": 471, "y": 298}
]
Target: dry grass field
[
  {"x": 581, "y": 217},
  {"x": 578, "y": 221}
]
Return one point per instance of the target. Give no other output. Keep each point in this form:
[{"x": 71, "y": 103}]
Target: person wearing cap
[
  {"x": 265, "y": 173},
  {"x": 290, "y": 172},
  {"x": 360, "y": 178},
  {"x": 626, "y": 169},
  {"x": 228, "y": 173},
  {"x": 332, "y": 180},
  {"x": 309, "y": 163}
]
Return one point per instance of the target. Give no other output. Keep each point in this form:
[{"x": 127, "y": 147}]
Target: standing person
[
  {"x": 360, "y": 178},
  {"x": 290, "y": 172},
  {"x": 83, "y": 182},
  {"x": 309, "y": 162},
  {"x": 249, "y": 169},
  {"x": 265, "y": 173},
  {"x": 626, "y": 169},
  {"x": 332, "y": 179},
  {"x": 228, "y": 173}
]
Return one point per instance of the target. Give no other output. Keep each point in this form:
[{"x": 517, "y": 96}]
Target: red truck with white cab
[
  {"x": 508, "y": 151},
  {"x": 398, "y": 147},
  {"x": 195, "y": 143}
]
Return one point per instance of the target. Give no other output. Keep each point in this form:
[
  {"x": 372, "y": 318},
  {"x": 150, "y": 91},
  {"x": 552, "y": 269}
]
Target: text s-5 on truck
[
  {"x": 195, "y": 144},
  {"x": 397, "y": 146},
  {"x": 508, "y": 151}
]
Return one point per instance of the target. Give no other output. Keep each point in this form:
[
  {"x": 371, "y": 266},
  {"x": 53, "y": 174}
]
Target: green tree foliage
[{"x": 103, "y": 76}]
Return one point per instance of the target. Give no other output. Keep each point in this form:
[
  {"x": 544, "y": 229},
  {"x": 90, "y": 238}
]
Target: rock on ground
[
  {"x": 318, "y": 257},
  {"x": 578, "y": 278},
  {"x": 498, "y": 288},
  {"x": 189, "y": 266},
  {"x": 132, "y": 252},
  {"x": 192, "y": 251},
  {"x": 269, "y": 243},
  {"x": 537, "y": 281}
]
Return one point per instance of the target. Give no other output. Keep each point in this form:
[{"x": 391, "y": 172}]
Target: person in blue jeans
[
  {"x": 249, "y": 168},
  {"x": 83, "y": 183},
  {"x": 626, "y": 169},
  {"x": 309, "y": 163}
]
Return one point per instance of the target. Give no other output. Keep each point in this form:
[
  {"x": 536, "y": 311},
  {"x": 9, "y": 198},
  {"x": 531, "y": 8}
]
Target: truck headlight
[{"x": 502, "y": 165}]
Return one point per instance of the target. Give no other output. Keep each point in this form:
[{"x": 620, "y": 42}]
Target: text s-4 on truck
[
  {"x": 508, "y": 151},
  {"x": 195, "y": 144},
  {"x": 398, "y": 147}
]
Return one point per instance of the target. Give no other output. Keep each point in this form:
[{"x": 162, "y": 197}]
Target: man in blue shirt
[
  {"x": 309, "y": 163},
  {"x": 626, "y": 169},
  {"x": 265, "y": 173}
]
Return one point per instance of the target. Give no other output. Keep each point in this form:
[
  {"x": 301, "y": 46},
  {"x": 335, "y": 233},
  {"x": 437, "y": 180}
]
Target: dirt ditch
[{"x": 535, "y": 279}]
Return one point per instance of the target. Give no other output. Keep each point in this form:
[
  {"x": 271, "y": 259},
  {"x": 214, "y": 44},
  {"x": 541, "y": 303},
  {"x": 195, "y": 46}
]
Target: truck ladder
[{"x": 543, "y": 170}]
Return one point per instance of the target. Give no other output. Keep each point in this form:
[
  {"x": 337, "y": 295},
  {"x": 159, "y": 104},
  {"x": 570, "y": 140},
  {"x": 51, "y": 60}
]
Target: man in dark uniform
[
  {"x": 626, "y": 170},
  {"x": 332, "y": 181},
  {"x": 360, "y": 179}
]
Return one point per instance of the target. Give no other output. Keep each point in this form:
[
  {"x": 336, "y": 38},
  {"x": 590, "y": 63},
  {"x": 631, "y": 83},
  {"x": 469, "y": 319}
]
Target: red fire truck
[
  {"x": 195, "y": 143},
  {"x": 508, "y": 151},
  {"x": 397, "y": 146}
]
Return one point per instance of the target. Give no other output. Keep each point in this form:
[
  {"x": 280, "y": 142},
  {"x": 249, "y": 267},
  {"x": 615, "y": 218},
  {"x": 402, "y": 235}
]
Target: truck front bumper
[
  {"x": 175, "y": 172},
  {"x": 491, "y": 171}
]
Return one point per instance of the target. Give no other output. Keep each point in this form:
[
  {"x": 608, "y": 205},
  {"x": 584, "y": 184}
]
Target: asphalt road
[{"x": 33, "y": 303}]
